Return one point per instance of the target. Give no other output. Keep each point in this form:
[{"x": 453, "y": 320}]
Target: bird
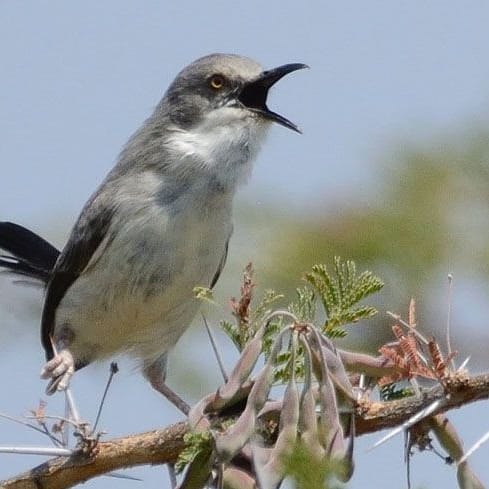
[{"x": 158, "y": 225}]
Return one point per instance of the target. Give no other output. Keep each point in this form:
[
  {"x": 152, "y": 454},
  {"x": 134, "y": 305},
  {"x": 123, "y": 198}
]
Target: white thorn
[
  {"x": 50, "y": 451},
  {"x": 410, "y": 422},
  {"x": 474, "y": 447},
  {"x": 463, "y": 364}
]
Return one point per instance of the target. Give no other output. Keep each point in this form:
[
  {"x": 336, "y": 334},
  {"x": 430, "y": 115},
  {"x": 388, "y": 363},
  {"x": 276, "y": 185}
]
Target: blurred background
[{"x": 392, "y": 171}]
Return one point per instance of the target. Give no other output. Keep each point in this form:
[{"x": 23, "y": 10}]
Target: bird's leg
[
  {"x": 59, "y": 369},
  {"x": 155, "y": 372}
]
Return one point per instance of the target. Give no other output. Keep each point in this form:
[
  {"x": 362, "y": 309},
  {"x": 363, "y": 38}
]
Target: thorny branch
[
  {"x": 378, "y": 416},
  {"x": 164, "y": 445},
  {"x": 239, "y": 428},
  {"x": 153, "y": 447}
]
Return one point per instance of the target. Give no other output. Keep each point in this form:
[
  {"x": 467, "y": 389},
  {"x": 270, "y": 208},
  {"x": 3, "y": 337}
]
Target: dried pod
[
  {"x": 366, "y": 364},
  {"x": 241, "y": 371},
  {"x": 233, "y": 439},
  {"x": 234, "y": 478},
  {"x": 308, "y": 425},
  {"x": 197, "y": 418}
]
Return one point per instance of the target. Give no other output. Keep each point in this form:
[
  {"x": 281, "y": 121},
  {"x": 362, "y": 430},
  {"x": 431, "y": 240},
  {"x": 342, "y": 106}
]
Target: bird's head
[
  {"x": 211, "y": 120},
  {"x": 223, "y": 90}
]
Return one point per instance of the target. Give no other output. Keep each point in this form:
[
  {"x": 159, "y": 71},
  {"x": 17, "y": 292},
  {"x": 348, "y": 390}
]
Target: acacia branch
[
  {"x": 153, "y": 447},
  {"x": 376, "y": 416},
  {"x": 163, "y": 446}
]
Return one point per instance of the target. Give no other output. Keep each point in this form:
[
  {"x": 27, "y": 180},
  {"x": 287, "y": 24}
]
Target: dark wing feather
[
  {"x": 86, "y": 237},
  {"x": 221, "y": 265}
]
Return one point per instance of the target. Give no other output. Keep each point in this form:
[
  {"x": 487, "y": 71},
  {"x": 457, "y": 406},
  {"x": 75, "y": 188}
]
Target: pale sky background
[{"x": 77, "y": 78}]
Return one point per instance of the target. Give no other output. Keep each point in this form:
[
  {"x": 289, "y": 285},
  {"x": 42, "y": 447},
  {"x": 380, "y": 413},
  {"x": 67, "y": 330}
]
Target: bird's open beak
[{"x": 254, "y": 94}]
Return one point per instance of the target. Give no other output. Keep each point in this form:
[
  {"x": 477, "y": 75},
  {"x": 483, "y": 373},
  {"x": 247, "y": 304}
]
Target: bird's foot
[{"x": 59, "y": 369}]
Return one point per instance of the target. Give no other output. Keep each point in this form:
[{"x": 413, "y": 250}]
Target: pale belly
[{"x": 138, "y": 297}]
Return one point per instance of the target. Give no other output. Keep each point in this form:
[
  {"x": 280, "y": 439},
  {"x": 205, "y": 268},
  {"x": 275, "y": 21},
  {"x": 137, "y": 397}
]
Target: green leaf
[
  {"x": 204, "y": 294},
  {"x": 310, "y": 471},
  {"x": 233, "y": 331},
  {"x": 241, "y": 334},
  {"x": 392, "y": 392},
  {"x": 263, "y": 309},
  {"x": 194, "y": 444},
  {"x": 304, "y": 307},
  {"x": 341, "y": 291},
  {"x": 334, "y": 332}
]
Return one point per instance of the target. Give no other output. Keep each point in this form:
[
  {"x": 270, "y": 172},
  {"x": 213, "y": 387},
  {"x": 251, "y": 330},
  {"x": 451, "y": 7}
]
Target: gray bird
[{"x": 157, "y": 226}]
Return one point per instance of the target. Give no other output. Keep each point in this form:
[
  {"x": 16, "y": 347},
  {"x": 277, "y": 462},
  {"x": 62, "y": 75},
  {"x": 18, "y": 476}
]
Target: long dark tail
[{"x": 28, "y": 254}]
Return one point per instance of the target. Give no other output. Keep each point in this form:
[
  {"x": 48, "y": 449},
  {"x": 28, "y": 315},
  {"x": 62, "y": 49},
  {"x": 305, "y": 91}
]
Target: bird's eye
[{"x": 217, "y": 82}]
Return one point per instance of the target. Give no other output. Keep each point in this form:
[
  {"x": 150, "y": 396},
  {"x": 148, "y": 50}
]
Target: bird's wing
[
  {"x": 221, "y": 265},
  {"x": 87, "y": 241}
]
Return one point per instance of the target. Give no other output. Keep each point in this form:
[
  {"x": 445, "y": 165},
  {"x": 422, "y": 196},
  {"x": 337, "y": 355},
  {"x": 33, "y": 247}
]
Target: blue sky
[{"x": 79, "y": 77}]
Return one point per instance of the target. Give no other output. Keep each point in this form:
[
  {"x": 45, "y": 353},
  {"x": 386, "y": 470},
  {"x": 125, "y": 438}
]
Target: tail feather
[
  {"x": 28, "y": 254},
  {"x": 18, "y": 267}
]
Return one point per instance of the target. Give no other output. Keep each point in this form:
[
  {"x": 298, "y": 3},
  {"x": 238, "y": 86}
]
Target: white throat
[{"x": 224, "y": 144}]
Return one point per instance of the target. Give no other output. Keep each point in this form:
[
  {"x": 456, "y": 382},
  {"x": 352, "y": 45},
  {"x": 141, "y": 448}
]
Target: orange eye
[{"x": 217, "y": 82}]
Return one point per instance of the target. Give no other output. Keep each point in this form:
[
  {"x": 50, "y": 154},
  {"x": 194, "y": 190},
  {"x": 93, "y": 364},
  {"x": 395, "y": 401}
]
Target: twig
[
  {"x": 407, "y": 457},
  {"x": 474, "y": 447},
  {"x": 415, "y": 418},
  {"x": 71, "y": 403},
  {"x": 449, "y": 320},
  {"x": 215, "y": 349},
  {"x": 154, "y": 447},
  {"x": 463, "y": 364},
  {"x": 163, "y": 446},
  {"x": 113, "y": 370},
  {"x": 281, "y": 313},
  {"x": 59, "y": 418},
  {"x": 118, "y": 475},
  {"x": 407, "y": 325},
  {"x": 172, "y": 475},
  {"x": 46, "y": 451},
  {"x": 68, "y": 394},
  {"x": 29, "y": 425},
  {"x": 65, "y": 427}
]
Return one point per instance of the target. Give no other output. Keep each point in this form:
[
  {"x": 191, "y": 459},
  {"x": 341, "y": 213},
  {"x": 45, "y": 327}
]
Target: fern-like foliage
[
  {"x": 392, "y": 392},
  {"x": 195, "y": 445},
  {"x": 231, "y": 329},
  {"x": 264, "y": 307},
  {"x": 246, "y": 326},
  {"x": 341, "y": 291},
  {"x": 204, "y": 294},
  {"x": 304, "y": 307}
]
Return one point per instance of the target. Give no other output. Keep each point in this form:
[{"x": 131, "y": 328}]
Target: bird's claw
[{"x": 59, "y": 369}]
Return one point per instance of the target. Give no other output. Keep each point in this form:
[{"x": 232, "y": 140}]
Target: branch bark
[
  {"x": 153, "y": 447},
  {"x": 381, "y": 415},
  {"x": 163, "y": 446}
]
